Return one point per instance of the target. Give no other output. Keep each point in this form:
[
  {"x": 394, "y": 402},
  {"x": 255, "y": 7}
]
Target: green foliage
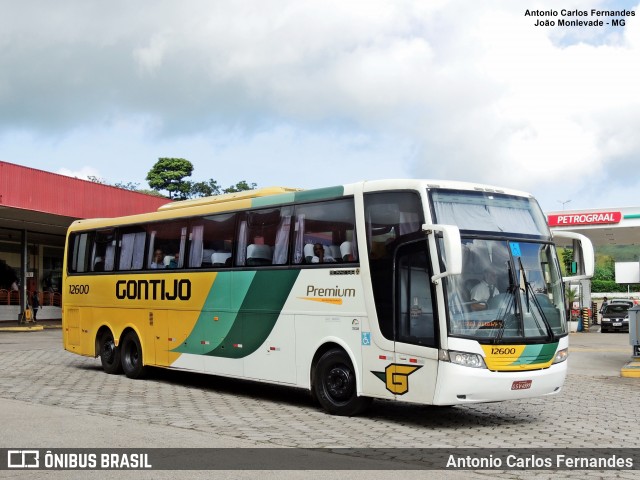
[
  {"x": 211, "y": 187},
  {"x": 128, "y": 186},
  {"x": 566, "y": 255},
  {"x": 570, "y": 295},
  {"x": 150, "y": 192},
  {"x": 619, "y": 253},
  {"x": 603, "y": 275},
  {"x": 205, "y": 189},
  {"x": 169, "y": 174},
  {"x": 241, "y": 186},
  {"x": 604, "y": 286},
  {"x": 605, "y": 272},
  {"x": 94, "y": 179}
]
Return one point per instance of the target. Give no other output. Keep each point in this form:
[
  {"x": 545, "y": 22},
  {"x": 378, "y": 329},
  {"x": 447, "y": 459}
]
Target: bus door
[{"x": 415, "y": 326}]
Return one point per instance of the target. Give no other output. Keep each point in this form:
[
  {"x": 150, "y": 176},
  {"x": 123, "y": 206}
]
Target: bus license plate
[{"x": 521, "y": 385}]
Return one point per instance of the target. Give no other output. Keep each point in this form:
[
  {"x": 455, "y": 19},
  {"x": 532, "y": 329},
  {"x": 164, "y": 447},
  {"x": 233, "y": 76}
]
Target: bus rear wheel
[
  {"x": 109, "y": 354},
  {"x": 334, "y": 385},
  {"x": 131, "y": 356}
]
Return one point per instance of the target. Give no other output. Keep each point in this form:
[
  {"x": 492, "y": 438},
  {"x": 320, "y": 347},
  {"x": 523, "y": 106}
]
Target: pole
[{"x": 23, "y": 273}]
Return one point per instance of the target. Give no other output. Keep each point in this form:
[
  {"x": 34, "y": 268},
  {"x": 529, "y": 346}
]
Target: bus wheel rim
[{"x": 339, "y": 383}]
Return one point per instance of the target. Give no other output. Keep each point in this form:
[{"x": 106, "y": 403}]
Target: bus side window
[
  {"x": 81, "y": 250},
  {"x": 132, "y": 249},
  {"x": 167, "y": 245},
  {"x": 328, "y": 227},
  {"x": 265, "y": 236},
  {"x": 104, "y": 251},
  {"x": 215, "y": 244}
]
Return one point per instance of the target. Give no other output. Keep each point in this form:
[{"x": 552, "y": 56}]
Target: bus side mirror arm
[
  {"x": 452, "y": 247},
  {"x": 586, "y": 253}
]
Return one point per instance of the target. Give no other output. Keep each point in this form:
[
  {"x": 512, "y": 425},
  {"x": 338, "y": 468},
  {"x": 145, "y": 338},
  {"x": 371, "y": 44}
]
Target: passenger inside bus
[
  {"x": 174, "y": 261},
  {"x": 323, "y": 257},
  {"x": 486, "y": 288},
  {"x": 158, "y": 260},
  {"x": 98, "y": 265}
]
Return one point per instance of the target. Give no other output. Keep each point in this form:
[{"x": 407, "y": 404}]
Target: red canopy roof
[{"x": 40, "y": 191}]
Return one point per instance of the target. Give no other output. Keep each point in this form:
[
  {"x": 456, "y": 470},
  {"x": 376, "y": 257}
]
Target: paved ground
[{"x": 50, "y": 398}]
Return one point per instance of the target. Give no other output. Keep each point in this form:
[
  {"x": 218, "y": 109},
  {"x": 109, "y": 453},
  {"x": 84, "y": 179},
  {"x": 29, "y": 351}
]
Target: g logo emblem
[{"x": 396, "y": 377}]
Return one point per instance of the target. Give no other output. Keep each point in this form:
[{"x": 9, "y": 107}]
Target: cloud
[{"x": 465, "y": 91}]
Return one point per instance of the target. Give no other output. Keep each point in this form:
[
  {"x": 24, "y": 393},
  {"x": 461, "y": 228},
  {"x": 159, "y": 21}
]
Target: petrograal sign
[{"x": 592, "y": 218}]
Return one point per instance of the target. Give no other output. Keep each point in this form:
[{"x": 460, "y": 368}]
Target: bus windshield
[
  {"x": 508, "y": 291},
  {"x": 489, "y": 212},
  {"x": 510, "y": 288}
]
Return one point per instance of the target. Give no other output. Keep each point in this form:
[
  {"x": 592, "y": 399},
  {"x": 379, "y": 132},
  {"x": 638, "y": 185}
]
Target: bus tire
[
  {"x": 334, "y": 385},
  {"x": 131, "y": 356},
  {"x": 109, "y": 354}
]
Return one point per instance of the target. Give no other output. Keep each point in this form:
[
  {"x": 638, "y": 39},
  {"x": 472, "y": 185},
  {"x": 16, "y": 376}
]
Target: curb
[
  {"x": 29, "y": 328},
  {"x": 631, "y": 369},
  {"x": 35, "y": 328}
]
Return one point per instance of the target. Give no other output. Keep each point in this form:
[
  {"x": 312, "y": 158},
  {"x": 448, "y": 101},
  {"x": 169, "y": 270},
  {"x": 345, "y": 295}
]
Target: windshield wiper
[
  {"x": 530, "y": 294},
  {"x": 511, "y": 299}
]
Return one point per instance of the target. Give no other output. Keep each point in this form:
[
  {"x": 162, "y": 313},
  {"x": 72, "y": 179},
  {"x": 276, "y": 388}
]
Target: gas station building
[
  {"x": 609, "y": 226},
  {"x": 36, "y": 208}
]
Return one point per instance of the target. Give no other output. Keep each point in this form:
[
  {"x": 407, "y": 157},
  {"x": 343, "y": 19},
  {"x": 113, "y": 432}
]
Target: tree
[
  {"x": 567, "y": 259},
  {"x": 241, "y": 186},
  {"x": 150, "y": 192},
  {"x": 605, "y": 268},
  {"x": 205, "y": 189},
  {"x": 133, "y": 186},
  {"x": 169, "y": 174},
  {"x": 94, "y": 179},
  {"x": 211, "y": 187}
]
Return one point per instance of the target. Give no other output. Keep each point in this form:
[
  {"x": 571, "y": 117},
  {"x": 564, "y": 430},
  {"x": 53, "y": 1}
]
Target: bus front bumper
[{"x": 458, "y": 385}]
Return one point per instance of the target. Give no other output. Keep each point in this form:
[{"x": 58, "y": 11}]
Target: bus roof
[
  {"x": 272, "y": 196},
  {"x": 227, "y": 197}
]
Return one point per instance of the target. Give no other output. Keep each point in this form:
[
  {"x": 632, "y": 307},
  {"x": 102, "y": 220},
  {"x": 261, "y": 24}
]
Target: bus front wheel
[
  {"x": 131, "y": 356},
  {"x": 109, "y": 354},
  {"x": 334, "y": 385}
]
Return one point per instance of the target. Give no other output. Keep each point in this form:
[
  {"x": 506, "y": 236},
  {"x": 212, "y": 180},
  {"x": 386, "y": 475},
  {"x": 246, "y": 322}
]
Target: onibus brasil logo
[{"x": 396, "y": 377}]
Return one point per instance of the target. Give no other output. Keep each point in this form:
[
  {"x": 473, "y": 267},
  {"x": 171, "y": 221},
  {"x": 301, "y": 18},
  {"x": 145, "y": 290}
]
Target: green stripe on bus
[
  {"x": 319, "y": 194},
  {"x": 301, "y": 196},
  {"x": 258, "y": 314},
  {"x": 546, "y": 352},
  {"x": 273, "y": 200},
  {"x": 223, "y": 302},
  {"x": 533, "y": 354}
]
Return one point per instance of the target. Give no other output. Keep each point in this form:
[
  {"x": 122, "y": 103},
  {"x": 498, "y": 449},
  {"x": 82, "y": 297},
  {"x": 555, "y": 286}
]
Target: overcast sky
[{"x": 317, "y": 93}]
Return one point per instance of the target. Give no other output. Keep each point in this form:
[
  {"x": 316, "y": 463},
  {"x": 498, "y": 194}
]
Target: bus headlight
[
  {"x": 465, "y": 359},
  {"x": 561, "y": 355}
]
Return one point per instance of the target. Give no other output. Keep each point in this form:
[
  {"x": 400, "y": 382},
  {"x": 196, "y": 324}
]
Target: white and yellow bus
[{"x": 421, "y": 291}]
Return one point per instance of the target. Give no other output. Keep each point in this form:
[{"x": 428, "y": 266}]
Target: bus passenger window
[
  {"x": 325, "y": 233},
  {"x": 170, "y": 239},
  {"x": 264, "y": 237},
  {"x": 132, "y": 250},
  {"x": 212, "y": 244},
  {"x": 104, "y": 251},
  {"x": 80, "y": 248}
]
